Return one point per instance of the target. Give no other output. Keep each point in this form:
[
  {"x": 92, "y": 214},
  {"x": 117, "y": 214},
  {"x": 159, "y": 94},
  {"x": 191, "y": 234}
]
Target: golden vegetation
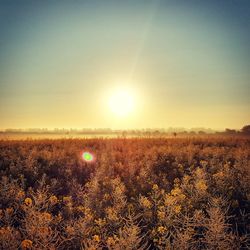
[{"x": 182, "y": 193}]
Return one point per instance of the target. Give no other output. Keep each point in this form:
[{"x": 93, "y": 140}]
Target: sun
[{"x": 121, "y": 102}]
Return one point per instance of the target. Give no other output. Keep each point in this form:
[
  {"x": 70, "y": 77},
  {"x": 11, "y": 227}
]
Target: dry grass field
[{"x": 174, "y": 193}]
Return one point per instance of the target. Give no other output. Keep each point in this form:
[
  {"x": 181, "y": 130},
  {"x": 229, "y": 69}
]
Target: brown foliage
[{"x": 178, "y": 193}]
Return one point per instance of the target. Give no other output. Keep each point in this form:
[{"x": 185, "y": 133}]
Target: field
[{"x": 155, "y": 193}]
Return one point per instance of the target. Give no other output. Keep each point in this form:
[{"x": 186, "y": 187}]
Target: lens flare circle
[{"x": 87, "y": 156}]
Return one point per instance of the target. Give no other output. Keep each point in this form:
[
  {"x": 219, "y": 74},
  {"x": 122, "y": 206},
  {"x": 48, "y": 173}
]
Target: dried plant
[{"x": 140, "y": 193}]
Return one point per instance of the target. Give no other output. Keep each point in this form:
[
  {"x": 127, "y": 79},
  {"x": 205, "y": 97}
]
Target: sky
[{"x": 184, "y": 63}]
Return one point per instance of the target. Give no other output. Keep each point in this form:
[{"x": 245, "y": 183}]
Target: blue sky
[{"x": 185, "y": 62}]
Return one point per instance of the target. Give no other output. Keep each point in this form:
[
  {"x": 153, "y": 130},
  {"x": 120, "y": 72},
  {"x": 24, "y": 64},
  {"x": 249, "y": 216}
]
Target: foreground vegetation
[{"x": 179, "y": 193}]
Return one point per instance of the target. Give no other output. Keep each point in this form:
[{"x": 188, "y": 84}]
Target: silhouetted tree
[
  {"x": 230, "y": 131},
  {"x": 201, "y": 132},
  {"x": 246, "y": 130}
]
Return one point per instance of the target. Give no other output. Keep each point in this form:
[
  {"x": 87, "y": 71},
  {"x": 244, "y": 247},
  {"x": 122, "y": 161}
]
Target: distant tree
[
  {"x": 124, "y": 133},
  {"x": 201, "y": 132},
  {"x": 230, "y": 131},
  {"x": 156, "y": 133},
  {"x": 246, "y": 130}
]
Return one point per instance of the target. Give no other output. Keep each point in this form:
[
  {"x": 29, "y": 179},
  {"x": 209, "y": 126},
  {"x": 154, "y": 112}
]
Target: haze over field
[{"x": 124, "y": 64}]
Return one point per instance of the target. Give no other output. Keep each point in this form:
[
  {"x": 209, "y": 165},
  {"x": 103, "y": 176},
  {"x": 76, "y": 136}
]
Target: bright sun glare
[{"x": 121, "y": 102}]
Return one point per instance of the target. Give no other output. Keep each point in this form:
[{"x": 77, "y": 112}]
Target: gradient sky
[{"x": 186, "y": 63}]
